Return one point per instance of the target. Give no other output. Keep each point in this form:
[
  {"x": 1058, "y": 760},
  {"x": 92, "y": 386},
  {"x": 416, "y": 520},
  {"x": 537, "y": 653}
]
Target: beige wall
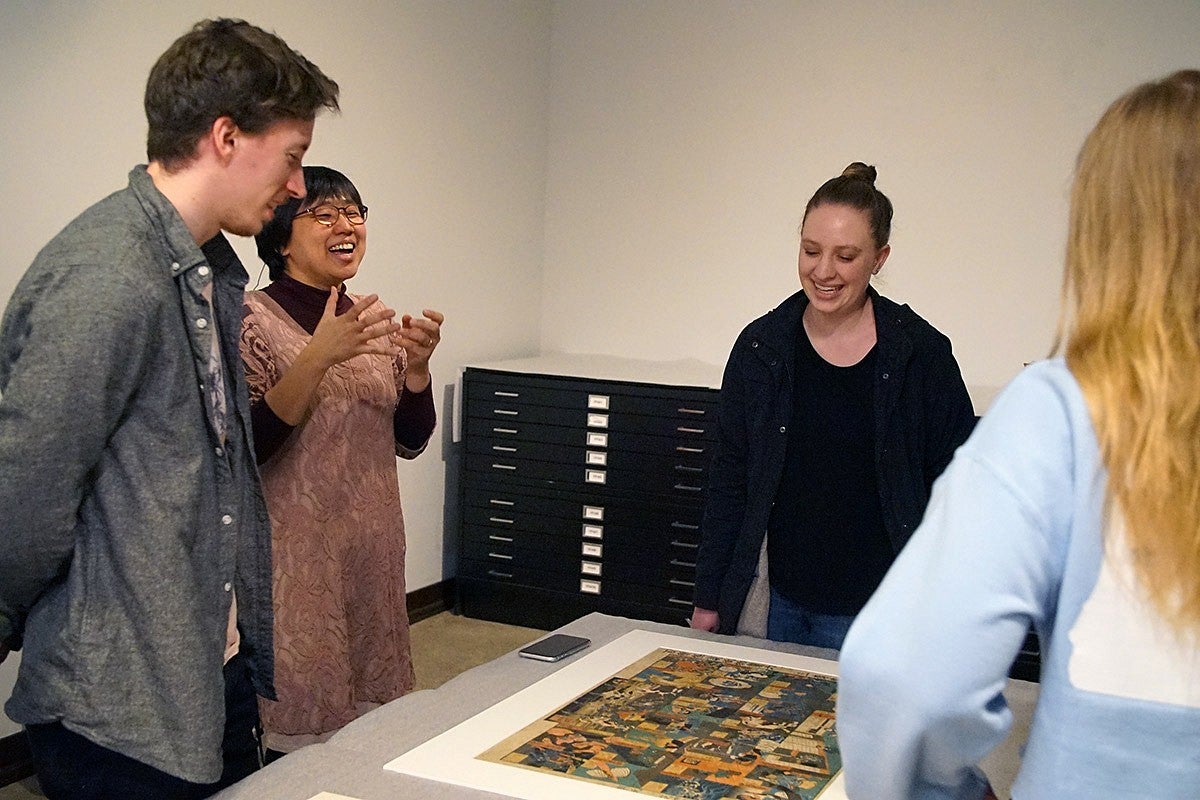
[{"x": 686, "y": 137}]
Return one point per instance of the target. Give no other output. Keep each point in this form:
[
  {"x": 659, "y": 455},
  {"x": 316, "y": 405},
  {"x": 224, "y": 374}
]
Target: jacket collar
[
  {"x": 181, "y": 248},
  {"x": 777, "y": 330}
]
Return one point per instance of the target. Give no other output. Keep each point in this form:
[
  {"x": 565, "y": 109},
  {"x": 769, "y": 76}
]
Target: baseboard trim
[
  {"x": 425, "y": 602},
  {"x": 16, "y": 762}
]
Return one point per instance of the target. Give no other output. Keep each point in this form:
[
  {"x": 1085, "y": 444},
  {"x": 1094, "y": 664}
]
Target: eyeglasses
[{"x": 328, "y": 215}]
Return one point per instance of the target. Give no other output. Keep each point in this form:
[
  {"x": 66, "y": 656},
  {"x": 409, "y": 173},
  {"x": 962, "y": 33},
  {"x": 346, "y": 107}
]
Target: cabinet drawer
[
  {"x": 632, "y": 466},
  {"x": 669, "y": 596},
  {"x": 686, "y": 443},
  {"x": 648, "y": 539},
  {"x": 485, "y": 389},
  {"x": 546, "y": 509},
  {"x": 659, "y": 572},
  {"x": 613, "y": 546},
  {"x": 677, "y": 483},
  {"x": 583, "y": 419}
]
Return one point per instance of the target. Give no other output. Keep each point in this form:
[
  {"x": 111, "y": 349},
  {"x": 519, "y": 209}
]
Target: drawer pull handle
[
  {"x": 508, "y": 466},
  {"x": 589, "y": 587},
  {"x": 503, "y": 449},
  {"x": 500, "y": 555},
  {"x": 594, "y": 476},
  {"x": 685, "y": 526},
  {"x": 512, "y": 431},
  {"x": 675, "y": 562},
  {"x": 497, "y": 574},
  {"x": 498, "y": 502},
  {"x": 499, "y": 393},
  {"x": 506, "y": 412},
  {"x": 683, "y": 487},
  {"x": 682, "y": 449},
  {"x": 689, "y": 545},
  {"x": 599, "y": 401},
  {"x": 699, "y": 411},
  {"x": 495, "y": 538},
  {"x": 683, "y": 429},
  {"x": 689, "y": 584},
  {"x": 501, "y": 520},
  {"x": 593, "y": 512},
  {"x": 683, "y": 468},
  {"x": 679, "y": 602}
]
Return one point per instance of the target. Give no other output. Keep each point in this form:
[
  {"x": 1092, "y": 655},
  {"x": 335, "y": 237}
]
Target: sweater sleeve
[
  {"x": 951, "y": 413},
  {"x": 414, "y": 421},
  {"x": 726, "y": 502},
  {"x": 270, "y": 432},
  {"x": 924, "y": 666}
]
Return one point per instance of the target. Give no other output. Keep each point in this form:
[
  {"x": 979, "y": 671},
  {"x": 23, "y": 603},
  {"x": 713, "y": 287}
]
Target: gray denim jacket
[{"x": 128, "y": 520}]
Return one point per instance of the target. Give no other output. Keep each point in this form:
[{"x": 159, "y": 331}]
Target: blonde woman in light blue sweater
[{"x": 1075, "y": 506}]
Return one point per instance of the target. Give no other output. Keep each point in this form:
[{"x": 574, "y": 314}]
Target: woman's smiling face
[
  {"x": 837, "y": 258},
  {"x": 325, "y": 255}
]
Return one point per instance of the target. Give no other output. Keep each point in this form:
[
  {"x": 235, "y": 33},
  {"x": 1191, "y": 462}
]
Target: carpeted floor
[{"x": 443, "y": 646}]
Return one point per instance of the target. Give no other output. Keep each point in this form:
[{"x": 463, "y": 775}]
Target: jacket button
[
  {"x": 885, "y": 376},
  {"x": 783, "y": 428},
  {"x": 754, "y": 343}
]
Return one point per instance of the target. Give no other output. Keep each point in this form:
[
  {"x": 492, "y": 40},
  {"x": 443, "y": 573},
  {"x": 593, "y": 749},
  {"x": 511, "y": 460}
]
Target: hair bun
[{"x": 860, "y": 171}]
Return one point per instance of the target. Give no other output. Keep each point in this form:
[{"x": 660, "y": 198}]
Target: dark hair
[
  {"x": 227, "y": 67},
  {"x": 321, "y": 184},
  {"x": 855, "y": 187}
]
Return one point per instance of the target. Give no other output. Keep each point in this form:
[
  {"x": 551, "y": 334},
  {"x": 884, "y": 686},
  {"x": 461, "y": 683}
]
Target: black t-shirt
[{"x": 826, "y": 544}]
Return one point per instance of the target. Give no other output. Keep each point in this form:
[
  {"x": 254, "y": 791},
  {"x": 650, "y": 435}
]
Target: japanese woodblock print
[
  {"x": 649, "y": 714},
  {"x": 682, "y": 724}
]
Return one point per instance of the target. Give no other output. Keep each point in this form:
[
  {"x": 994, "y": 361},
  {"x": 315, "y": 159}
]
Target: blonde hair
[{"x": 1131, "y": 314}]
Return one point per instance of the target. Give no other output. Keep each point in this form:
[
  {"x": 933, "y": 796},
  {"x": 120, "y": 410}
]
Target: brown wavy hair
[
  {"x": 1131, "y": 319},
  {"x": 855, "y": 187},
  {"x": 227, "y": 67}
]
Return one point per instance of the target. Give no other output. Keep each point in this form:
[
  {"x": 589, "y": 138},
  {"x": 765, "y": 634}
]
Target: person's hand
[
  {"x": 990, "y": 794},
  {"x": 705, "y": 620},
  {"x": 419, "y": 336},
  {"x": 338, "y": 338}
]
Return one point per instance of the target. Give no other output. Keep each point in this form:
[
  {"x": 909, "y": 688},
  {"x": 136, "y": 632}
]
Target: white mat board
[{"x": 450, "y": 757}]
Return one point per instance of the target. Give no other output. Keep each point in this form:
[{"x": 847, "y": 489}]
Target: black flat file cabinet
[{"x": 580, "y": 494}]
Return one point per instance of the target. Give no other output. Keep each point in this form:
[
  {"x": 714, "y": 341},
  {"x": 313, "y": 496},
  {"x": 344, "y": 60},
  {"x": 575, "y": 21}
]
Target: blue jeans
[{"x": 789, "y": 622}]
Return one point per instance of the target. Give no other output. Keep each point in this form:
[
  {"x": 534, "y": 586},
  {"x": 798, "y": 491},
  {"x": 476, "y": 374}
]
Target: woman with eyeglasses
[{"x": 338, "y": 389}]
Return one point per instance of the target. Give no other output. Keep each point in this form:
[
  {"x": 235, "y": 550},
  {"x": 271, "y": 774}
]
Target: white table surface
[{"x": 351, "y": 763}]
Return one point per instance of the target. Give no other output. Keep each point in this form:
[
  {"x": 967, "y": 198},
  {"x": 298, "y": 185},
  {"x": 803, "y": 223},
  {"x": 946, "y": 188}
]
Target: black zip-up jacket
[{"x": 922, "y": 414}]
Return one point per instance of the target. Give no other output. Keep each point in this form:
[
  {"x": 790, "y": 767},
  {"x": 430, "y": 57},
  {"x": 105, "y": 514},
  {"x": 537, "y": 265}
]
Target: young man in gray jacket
[{"x": 136, "y": 568}]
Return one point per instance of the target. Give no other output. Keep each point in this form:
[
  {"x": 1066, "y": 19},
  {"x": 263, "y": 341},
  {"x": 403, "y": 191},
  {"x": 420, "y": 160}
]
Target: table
[{"x": 351, "y": 762}]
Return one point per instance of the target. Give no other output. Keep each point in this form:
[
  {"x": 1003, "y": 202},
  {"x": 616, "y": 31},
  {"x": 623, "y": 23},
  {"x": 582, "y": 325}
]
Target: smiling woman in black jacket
[{"x": 839, "y": 409}]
